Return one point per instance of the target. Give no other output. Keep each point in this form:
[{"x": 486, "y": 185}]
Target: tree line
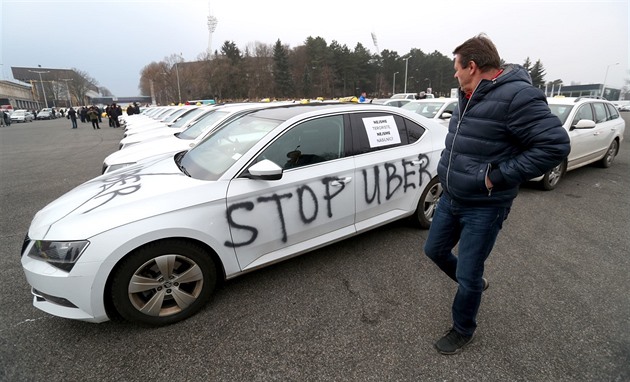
[{"x": 314, "y": 69}]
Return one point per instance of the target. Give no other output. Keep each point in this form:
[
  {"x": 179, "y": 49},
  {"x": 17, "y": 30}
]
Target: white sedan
[
  {"x": 440, "y": 109},
  {"x": 22, "y": 116},
  {"x": 184, "y": 140},
  {"x": 596, "y": 131},
  {"x": 151, "y": 241},
  {"x": 179, "y": 125}
]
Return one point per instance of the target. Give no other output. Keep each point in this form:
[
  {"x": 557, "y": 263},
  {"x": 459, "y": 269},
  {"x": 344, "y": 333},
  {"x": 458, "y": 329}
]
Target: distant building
[
  {"x": 50, "y": 86},
  {"x": 590, "y": 90},
  {"x": 17, "y": 95},
  {"x": 122, "y": 101}
]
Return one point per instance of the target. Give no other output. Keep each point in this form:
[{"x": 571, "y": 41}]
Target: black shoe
[
  {"x": 486, "y": 284},
  {"x": 452, "y": 342}
]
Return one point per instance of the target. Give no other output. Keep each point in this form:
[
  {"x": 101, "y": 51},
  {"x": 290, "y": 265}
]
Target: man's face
[{"x": 463, "y": 75}]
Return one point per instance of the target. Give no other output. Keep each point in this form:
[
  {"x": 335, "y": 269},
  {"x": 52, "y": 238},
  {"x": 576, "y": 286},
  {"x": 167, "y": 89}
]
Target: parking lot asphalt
[{"x": 365, "y": 309}]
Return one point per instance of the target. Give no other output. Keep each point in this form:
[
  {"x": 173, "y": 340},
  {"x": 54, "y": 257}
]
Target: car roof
[
  {"x": 286, "y": 112},
  {"x": 433, "y": 100},
  {"x": 573, "y": 100}
]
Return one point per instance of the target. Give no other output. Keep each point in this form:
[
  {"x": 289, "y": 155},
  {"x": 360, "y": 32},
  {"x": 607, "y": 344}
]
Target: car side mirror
[
  {"x": 446, "y": 115},
  {"x": 265, "y": 170},
  {"x": 584, "y": 124}
]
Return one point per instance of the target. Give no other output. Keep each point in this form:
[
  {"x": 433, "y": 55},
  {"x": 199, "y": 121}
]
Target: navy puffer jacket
[{"x": 506, "y": 131}]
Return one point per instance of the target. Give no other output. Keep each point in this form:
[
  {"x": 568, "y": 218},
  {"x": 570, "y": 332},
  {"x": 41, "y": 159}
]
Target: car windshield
[
  {"x": 425, "y": 109},
  {"x": 561, "y": 111},
  {"x": 220, "y": 150},
  {"x": 176, "y": 114},
  {"x": 202, "y": 125},
  {"x": 183, "y": 121},
  {"x": 19, "y": 112}
]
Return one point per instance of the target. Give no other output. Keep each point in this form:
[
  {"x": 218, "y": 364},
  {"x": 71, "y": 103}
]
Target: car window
[
  {"x": 184, "y": 119},
  {"x": 378, "y": 131},
  {"x": 562, "y": 112},
  {"x": 600, "y": 112},
  {"x": 584, "y": 112},
  {"x": 222, "y": 148},
  {"x": 425, "y": 109},
  {"x": 202, "y": 125},
  {"x": 450, "y": 108},
  {"x": 613, "y": 113},
  {"x": 310, "y": 142}
]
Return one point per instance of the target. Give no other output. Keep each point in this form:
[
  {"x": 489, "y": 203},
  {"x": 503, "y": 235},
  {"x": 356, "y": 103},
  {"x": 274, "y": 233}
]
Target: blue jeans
[
  {"x": 476, "y": 230},
  {"x": 74, "y": 122}
]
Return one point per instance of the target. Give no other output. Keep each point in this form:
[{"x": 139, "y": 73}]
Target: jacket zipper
[{"x": 461, "y": 118}]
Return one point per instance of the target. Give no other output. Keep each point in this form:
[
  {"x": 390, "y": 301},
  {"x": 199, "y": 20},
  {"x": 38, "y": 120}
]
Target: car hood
[
  {"x": 158, "y": 132},
  {"x": 147, "y": 189},
  {"x": 142, "y": 150}
]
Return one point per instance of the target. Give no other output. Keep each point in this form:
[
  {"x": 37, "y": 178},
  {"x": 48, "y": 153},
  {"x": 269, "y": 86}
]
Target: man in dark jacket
[{"x": 502, "y": 135}]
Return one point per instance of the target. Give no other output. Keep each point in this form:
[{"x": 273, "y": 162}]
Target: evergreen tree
[
  {"x": 528, "y": 65},
  {"x": 538, "y": 75},
  {"x": 281, "y": 74}
]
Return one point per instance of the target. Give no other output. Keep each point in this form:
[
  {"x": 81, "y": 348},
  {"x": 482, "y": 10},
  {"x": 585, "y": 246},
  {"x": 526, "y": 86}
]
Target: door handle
[
  {"x": 419, "y": 162},
  {"x": 341, "y": 181}
]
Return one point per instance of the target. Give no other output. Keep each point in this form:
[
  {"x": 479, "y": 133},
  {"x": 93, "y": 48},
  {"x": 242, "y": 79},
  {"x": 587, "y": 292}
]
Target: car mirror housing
[
  {"x": 584, "y": 124},
  {"x": 265, "y": 170}
]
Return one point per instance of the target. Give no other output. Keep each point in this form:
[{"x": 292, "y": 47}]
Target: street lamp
[
  {"x": 605, "y": 77},
  {"x": 406, "y": 67},
  {"x": 394, "y": 85},
  {"x": 68, "y": 90},
  {"x": 179, "y": 91},
  {"x": 42, "y": 83}
]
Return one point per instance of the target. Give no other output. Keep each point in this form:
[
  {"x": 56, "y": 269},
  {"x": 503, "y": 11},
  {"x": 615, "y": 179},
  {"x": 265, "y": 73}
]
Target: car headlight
[
  {"x": 115, "y": 167},
  {"x": 60, "y": 254}
]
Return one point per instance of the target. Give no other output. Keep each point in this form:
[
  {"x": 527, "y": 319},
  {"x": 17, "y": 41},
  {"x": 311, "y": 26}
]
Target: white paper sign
[{"x": 381, "y": 131}]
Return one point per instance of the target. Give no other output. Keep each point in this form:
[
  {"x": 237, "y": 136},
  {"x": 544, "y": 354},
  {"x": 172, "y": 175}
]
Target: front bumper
[{"x": 71, "y": 295}]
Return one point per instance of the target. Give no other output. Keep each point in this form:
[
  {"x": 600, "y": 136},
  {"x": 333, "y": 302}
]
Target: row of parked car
[{"x": 199, "y": 194}]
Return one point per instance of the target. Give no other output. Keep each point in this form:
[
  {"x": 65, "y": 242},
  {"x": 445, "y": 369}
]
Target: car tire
[
  {"x": 611, "y": 153},
  {"x": 552, "y": 177},
  {"x": 426, "y": 205},
  {"x": 163, "y": 282}
]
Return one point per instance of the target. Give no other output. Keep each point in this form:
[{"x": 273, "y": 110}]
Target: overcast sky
[{"x": 112, "y": 40}]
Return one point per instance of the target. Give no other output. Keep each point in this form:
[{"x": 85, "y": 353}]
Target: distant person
[
  {"x": 93, "y": 116},
  {"x": 421, "y": 95},
  {"x": 72, "y": 116},
  {"x": 363, "y": 97},
  {"x": 113, "y": 113},
  {"x": 83, "y": 114},
  {"x": 2, "y": 117}
]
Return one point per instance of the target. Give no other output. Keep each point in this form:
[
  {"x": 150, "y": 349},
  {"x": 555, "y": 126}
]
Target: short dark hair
[{"x": 481, "y": 50}]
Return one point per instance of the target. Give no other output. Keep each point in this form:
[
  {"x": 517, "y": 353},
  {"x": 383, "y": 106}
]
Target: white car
[
  {"x": 155, "y": 119},
  {"x": 173, "y": 143},
  {"x": 179, "y": 125},
  {"x": 22, "y": 116},
  {"x": 440, "y": 109},
  {"x": 150, "y": 242},
  {"x": 596, "y": 131},
  {"x": 390, "y": 101},
  {"x": 165, "y": 120},
  {"x": 410, "y": 95}
]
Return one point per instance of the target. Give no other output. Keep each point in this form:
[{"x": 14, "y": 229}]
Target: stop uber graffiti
[{"x": 395, "y": 181}]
